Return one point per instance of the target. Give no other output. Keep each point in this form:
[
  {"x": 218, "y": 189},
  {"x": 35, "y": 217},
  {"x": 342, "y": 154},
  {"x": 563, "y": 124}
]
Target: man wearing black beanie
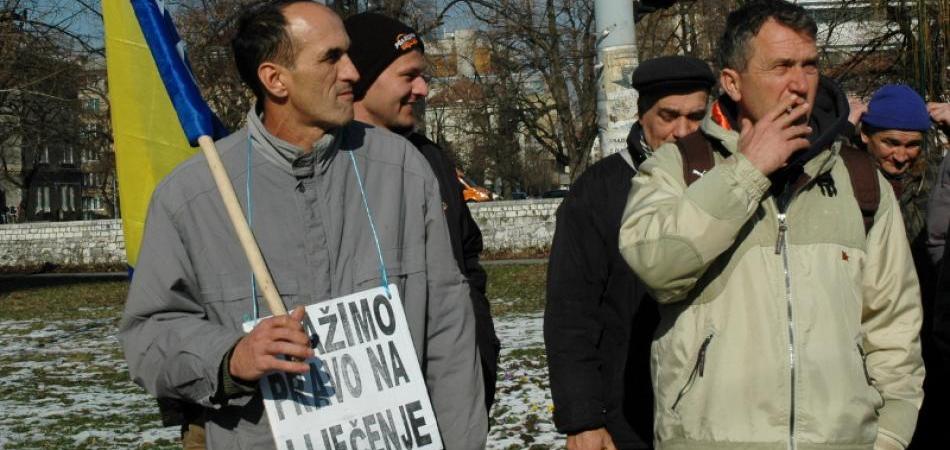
[
  {"x": 389, "y": 57},
  {"x": 598, "y": 321}
]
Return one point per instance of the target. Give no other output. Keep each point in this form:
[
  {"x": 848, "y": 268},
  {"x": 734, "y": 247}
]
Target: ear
[
  {"x": 272, "y": 78},
  {"x": 730, "y": 81},
  {"x": 865, "y": 138}
]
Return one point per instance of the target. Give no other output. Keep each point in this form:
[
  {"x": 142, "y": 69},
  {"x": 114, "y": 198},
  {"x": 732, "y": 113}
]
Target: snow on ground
[
  {"x": 65, "y": 385},
  {"x": 521, "y": 416}
]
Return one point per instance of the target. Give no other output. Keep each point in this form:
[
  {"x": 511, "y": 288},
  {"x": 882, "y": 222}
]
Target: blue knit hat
[{"x": 897, "y": 107}]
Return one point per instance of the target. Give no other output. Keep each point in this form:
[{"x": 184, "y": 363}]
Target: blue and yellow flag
[{"x": 157, "y": 109}]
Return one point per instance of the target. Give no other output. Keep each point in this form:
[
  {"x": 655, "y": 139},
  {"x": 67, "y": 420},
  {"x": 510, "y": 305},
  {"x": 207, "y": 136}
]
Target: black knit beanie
[{"x": 375, "y": 42}]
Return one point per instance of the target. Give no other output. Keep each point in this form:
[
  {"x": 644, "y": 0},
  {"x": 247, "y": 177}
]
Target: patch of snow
[
  {"x": 523, "y": 406},
  {"x": 62, "y": 375}
]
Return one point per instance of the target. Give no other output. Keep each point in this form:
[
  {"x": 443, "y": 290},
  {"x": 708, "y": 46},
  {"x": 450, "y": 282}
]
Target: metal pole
[{"x": 617, "y": 58}]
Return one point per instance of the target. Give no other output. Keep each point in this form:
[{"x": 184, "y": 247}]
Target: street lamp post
[{"x": 617, "y": 58}]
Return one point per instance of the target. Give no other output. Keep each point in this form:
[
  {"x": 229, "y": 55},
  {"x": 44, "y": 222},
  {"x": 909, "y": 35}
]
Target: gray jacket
[{"x": 191, "y": 289}]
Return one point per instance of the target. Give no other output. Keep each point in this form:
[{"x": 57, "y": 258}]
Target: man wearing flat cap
[
  {"x": 389, "y": 57},
  {"x": 673, "y": 93},
  {"x": 598, "y": 322}
]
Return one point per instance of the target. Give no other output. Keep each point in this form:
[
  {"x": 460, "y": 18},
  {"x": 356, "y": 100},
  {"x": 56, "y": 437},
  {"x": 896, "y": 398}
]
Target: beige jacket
[{"x": 802, "y": 339}]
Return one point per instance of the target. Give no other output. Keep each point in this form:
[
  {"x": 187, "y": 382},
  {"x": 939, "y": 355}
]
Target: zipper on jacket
[
  {"x": 781, "y": 247},
  {"x": 782, "y": 228},
  {"x": 698, "y": 370}
]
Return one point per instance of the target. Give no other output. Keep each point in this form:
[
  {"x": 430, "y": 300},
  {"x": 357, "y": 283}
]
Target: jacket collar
[
  {"x": 291, "y": 158},
  {"x": 828, "y": 119},
  {"x": 637, "y": 149}
]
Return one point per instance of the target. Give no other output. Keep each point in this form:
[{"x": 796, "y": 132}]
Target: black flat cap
[{"x": 672, "y": 73}]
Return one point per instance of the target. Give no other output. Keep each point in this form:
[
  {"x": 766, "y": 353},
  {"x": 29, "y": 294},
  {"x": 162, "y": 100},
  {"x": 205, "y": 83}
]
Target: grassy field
[
  {"x": 64, "y": 383},
  {"x": 515, "y": 288}
]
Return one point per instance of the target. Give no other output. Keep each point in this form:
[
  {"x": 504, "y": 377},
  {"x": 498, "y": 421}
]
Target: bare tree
[
  {"x": 423, "y": 15},
  {"x": 876, "y": 42},
  {"x": 863, "y": 43},
  {"x": 206, "y": 26},
  {"x": 44, "y": 58},
  {"x": 687, "y": 28},
  {"x": 542, "y": 73}
]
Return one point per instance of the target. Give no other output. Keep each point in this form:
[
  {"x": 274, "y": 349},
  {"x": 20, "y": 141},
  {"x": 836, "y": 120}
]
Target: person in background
[
  {"x": 892, "y": 128},
  {"x": 598, "y": 320},
  {"x": 938, "y": 209},
  {"x": 390, "y": 57}
]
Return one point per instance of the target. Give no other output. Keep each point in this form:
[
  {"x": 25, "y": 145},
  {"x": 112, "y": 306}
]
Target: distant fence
[
  {"x": 507, "y": 226},
  {"x": 81, "y": 243},
  {"x": 516, "y": 225}
]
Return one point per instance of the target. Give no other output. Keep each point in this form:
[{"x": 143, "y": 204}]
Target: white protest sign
[{"x": 365, "y": 389}]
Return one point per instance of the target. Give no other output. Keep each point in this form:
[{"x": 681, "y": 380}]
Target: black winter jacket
[
  {"x": 599, "y": 321},
  {"x": 466, "y": 246}
]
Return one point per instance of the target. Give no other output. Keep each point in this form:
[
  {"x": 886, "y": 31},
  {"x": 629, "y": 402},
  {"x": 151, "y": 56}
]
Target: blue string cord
[
  {"x": 250, "y": 224},
  {"x": 369, "y": 216},
  {"x": 372, "y": 226}
]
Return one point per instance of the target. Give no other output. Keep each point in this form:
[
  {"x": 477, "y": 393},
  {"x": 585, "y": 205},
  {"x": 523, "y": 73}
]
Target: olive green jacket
[{"x": 802, "y": 339}]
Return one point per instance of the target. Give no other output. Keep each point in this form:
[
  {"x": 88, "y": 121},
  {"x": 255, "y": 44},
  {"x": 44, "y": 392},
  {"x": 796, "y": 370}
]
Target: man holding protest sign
[{"x": 336, "y": 208}]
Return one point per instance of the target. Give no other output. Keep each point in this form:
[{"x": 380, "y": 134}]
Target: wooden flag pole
[{"x": 251, "y": 250}]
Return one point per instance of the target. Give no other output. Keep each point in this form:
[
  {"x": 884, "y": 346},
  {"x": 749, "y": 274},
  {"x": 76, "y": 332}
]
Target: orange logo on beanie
[{"x": 406, "y": 41}]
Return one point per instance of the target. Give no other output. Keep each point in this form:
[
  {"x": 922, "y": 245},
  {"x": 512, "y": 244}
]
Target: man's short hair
[
  {"x": 261, "y": 36},
  {"x": 744, "y": 23}
]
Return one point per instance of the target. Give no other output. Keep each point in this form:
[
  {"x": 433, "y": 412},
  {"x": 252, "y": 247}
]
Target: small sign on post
[{"x": 364, "y": 390}]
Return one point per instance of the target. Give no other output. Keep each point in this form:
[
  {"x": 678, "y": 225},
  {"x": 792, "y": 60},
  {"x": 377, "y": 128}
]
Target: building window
[
  {"x": 90, "y": 154},
  {"x": 92, "y": 105},
  {"x": 92, "y": 179},
  {"x": 92, "y": 203},
  {"x": 68, "y": 156},
  {"x": 42, "y": 200},
  {"x": 44, "y": 155},
  {"x": 63, "y": 198}
]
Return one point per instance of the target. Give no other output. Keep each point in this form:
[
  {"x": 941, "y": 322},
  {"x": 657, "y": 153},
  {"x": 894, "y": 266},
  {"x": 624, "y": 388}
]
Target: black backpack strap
[
  {"x": 697, "y": 155},
  {"x": 864, "y": 182}
]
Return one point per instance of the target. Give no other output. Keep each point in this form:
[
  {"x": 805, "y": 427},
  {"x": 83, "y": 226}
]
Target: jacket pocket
[
  {"x": 877, "y": 399},
  {"x": 698, "y": 371},
  {"x": 398, "y": 263},
  {"x": 864, "y": 365},
  {"x": 231, "y": 302}
]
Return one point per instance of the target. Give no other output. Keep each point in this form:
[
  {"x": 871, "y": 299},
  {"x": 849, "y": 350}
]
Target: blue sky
[{"x": 77, "y": 20}]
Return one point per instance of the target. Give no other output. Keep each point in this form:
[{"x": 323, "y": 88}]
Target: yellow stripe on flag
[{"x": 149, "y": 141}]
